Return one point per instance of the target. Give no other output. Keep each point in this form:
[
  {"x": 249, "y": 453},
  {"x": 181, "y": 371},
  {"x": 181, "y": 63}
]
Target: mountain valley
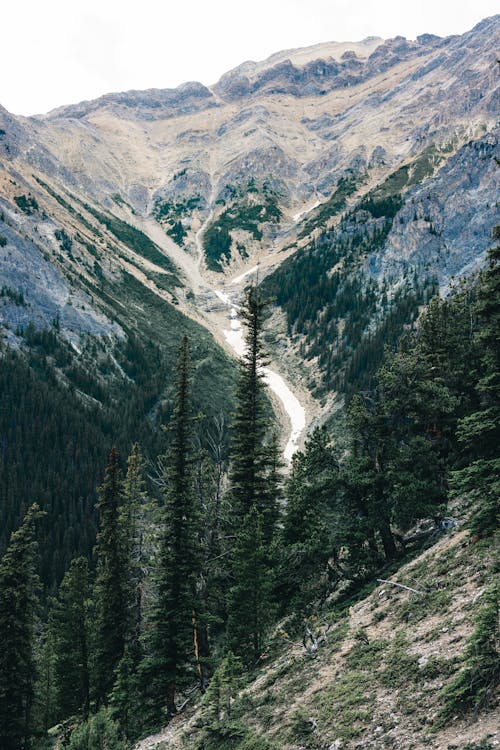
[{"x": 348, "y": 185}]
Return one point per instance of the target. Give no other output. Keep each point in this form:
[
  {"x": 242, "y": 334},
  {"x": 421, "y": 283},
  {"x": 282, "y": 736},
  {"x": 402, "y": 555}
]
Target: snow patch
[
  {"x": 303, "y": 213},
  {"x": 243, "y": 276}
]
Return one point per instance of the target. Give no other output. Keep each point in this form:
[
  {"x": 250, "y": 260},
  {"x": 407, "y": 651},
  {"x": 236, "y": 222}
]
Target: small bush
[{"x": 100, "y": 732}]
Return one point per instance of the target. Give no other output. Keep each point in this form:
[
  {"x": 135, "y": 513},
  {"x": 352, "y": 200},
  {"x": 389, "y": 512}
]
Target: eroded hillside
[{"x": 379, "y": 674}]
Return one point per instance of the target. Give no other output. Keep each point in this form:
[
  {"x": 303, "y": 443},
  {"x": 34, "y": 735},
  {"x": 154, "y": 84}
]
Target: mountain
[
  {"x": 331, "y": 601},
  {"x": 352, "y": 179}
]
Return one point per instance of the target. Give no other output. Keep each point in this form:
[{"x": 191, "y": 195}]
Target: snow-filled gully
[{"x": 292, "y": 406}]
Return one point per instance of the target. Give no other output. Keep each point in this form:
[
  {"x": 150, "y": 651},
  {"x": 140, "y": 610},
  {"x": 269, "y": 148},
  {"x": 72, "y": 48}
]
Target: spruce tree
[
  {"x": 168, "y": 660},
  {"x": 109, "y": 587},
  {"x": 249, "y": 458},
  {"x": 70, "y": 630},
  {"x": 250, "y": 605},
  {"x": 310, "y": 520},
  {"x": 254, "y": 488},
  {"x": 134, "y": 545},
  {"x": 18, "y": 584},
  {"x": 479, "y": 431}
]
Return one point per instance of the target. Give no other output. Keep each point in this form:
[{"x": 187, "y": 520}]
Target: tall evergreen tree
[
  {"x": 134, "y": 544},
  {"x": 136, "y": 549},
  {"x": 249, "y": 458},
  {"x": 109, "y": 587},
  {"x": 70, "y": 628},
  {"x": 310, "y": 519},
  {"x": 255, "y": 487},
  {"x": 169, "y": 650},
  {"x": 250, "y": 606},
  {"x": 479, "y": 431},
  {"x": 18, "y": 583}
]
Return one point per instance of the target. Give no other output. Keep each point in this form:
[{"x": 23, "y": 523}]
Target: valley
[{"x": 286, "y": 546}]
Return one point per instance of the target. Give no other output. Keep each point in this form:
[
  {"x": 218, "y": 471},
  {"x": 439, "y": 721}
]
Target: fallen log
[{"x": 401, "y": 586}]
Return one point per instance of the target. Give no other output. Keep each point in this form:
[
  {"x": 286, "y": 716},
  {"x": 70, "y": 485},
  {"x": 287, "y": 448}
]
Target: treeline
[{"x": 190, "y": 579}]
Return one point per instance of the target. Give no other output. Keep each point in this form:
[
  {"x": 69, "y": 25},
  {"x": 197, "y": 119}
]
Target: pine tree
[
  {"x": 70, "y": 630},
  {"x": 223, "y": 689},
  {"x": 250, "y": 605},
  {"x": 254, "y": 488},
  {"x": 45, "y": 709},
  {"x": 169, "y": 651},
  {"x": 306, "y": 539},
  {"x": 134, "y": 545},
  {"x": 18, "y": 584},
  {"x": 109, "y": 593},
  {"x": 249, "y": 464},
  {"x": 125, "y": 699},
  {"x": 479, "y": 431}
]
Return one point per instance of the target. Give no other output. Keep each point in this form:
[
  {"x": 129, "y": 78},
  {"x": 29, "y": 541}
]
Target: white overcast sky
[{"x": 55, "y": 52}]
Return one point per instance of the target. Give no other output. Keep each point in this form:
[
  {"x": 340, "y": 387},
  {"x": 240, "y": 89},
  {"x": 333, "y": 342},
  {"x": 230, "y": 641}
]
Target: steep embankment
[{"x": 376, "y": 679}]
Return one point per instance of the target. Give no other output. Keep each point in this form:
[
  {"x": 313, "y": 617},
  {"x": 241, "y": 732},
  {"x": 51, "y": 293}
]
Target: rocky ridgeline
[{"x": 198, "y": 161}]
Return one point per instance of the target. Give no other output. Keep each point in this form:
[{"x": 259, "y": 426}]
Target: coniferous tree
[
  {"x": 307, "y": 538},
  {"x": 169, "y": 651},
  {"x": 134, "y": 545},
  {"x": 109, "y": 587},
  {"x": 212, "y": 576},
  {"x": 45, "y": 710},
  {"x": 125, "y": 697},
  {"x": 18, "y": 584},
  {"x": 249, "y": 459},
  {"x": 479, "y": 431},
  {"x": 254, "y": 482},
  {"x": 223, "y": 689},
  {"x": 70, "y": 629},
  {"x": 250, "y": 605}
]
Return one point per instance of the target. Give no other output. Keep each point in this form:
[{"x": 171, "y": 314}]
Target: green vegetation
[
  {"x": 479, "y": 431},
  {"x": 172, "y": 213},
  {"x": 250, "y": 208},
  {"x": 346, "y": 186},
  {"x": 328, "y": 295},
  {"x": 134, "y": 239},
  {"x": 27, "y": 203},
  {"x": 473, "y": 688},
  {"x": 168, "y": 648},
  {"x": 18, "y": 584},
  {"x": 100, "y": 732},
  {"x": 169, "y": 211},
  {"x": 177, "y": 232},
  {"x": 192, "y": 556},
  {"x": 65, "y": 204},
  {"x": 345, "y": 705},
  {"x": 73, "y": 406},
  {"x": 65, "y": 241},
  {"x": 3, "y": 240},
  {"x": 186, "y": 589},
  {"x": 15, "y": 296}
]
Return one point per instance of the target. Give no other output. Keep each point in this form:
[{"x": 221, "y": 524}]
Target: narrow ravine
[{"x": 234, "y": 336}]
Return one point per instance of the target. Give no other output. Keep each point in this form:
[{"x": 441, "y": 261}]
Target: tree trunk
[
  {"x": 171, "y": 708},
  {"x": 388, "y": 543}
]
